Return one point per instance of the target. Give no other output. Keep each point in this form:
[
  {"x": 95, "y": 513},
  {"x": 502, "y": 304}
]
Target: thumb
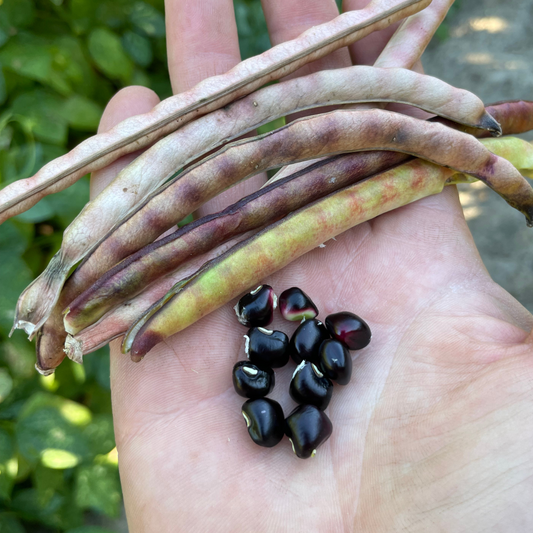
[{"x": 128, "y": 102}]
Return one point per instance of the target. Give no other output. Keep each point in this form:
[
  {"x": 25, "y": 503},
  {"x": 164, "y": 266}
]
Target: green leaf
[
  {"x": 4, "y": 35},
  {"x": 28, "y": 56},
  {"x": 58, "y": 513},
  {"x": 148, "y": 19},
  {"x": 140, "y": 77},
  {"x": 7, "y": 446},
  {"x": 82, "y": 15},
  {"x": 50, "y": 428},
  {"x": 106, "y": 50},
  {"x": 3, "y": 88},
  {"x": 97, "y": 367},
  {"x": 14, "y": 277},
  {"x": 46, "y": 433},
  {"x": 73, "y": 412},
  {"x": 270, "y": 126},
  {"x": 10, "y": 524},
  {"x": 19, "y": 355},
  {"x": 138, "y": 48},
  {"x": 89, "y": 529},
  {"x": 12, "y": 239},
  {"x": 19, "y": 13},
  {"x": 45, "y": 113},
  {"x": 8, "y": 464},
  {"x": 71, "y": 63},
  {"x": 113, "y": 13},
  {"x": 47, "y": 481},
  {"x": 100, "y": 434},
  {"x": 252, "y": 29},
  {"x": 68, "y": 203},
  {"x": 97, "y": 487},
  {"x": 6, "y": 384},
  {"x": 38, "y": 213},
  {"x": 82, "y": 114}
]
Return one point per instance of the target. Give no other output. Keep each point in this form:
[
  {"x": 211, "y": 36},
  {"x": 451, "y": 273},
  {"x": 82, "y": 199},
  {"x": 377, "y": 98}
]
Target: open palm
[{"x": 433, "y": 433}]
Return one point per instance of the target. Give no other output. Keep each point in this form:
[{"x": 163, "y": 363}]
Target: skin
[{"x": 433, "y": 433}]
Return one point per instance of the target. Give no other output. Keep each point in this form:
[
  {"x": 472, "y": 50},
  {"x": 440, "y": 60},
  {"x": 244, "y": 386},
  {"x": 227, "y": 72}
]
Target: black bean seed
[
  {"x": 266, "y": 348},
  {"x": 310, "y": 386},
  {"x": 350, "y": 329},
  {"x": 257, "y": 307},
  {"x": 307, "y": 428},
  {"x": 306, "y": 341},
  {"x": 295, "y": 305},
  {"x": 250, "y": 381},
  {"x": 264, "y": 419},
  {"x": 335, "y": 361}
]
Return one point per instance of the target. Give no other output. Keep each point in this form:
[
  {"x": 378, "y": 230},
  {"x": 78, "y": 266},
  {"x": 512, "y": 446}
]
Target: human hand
[{"x": 432, "y": 434}]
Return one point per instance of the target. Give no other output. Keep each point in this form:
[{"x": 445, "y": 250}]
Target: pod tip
[{"x": 74, "y": 349}]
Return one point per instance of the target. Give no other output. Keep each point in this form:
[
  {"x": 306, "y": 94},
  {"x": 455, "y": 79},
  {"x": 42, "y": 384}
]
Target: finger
[
  {"x": 126, "y": 103},
  {"x": 202, "y": 41},
  {"x": 367, "y": 50},
  {"x": 286, "y": 19}
]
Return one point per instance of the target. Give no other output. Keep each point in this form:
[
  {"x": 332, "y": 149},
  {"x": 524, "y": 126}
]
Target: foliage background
[{"x": 60, "y": 62}]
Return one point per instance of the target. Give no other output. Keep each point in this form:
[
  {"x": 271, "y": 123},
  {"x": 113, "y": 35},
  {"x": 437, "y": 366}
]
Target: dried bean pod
[
  {"x": 291, "y": 237},
  {"x": 136, "y": 181},
  {"x": 403, "y": 50},
  {"x": 212, "y": 93},
  {"x": 515, "y": 150},
  {"x": 139, "y": 270},
  {"x": 53, "y": 343}
]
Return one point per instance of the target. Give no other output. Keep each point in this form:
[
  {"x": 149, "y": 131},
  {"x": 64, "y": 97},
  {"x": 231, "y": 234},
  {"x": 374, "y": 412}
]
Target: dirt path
[{"x": 490, "y": 52}]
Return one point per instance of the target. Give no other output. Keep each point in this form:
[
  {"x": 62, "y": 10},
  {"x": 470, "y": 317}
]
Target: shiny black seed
[
  {"x": 310, "y": 386},
  {"x": 308, "y": 428},
  {"x": 350, "y": 329},
  {"x": 295, "y": 305},
  {"x": 264, "y": 419},
  {"x": 306, "y": 341},
  {"x": 335, "y": 361},
  {"x": 251, "y": 381},
  {"x": 257, "y": 307},
  {"x": 266, "y": 348}
]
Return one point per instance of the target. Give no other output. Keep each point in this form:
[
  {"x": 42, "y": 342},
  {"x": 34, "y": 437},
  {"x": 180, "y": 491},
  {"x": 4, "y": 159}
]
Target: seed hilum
[{"x": 321, "y": 359}]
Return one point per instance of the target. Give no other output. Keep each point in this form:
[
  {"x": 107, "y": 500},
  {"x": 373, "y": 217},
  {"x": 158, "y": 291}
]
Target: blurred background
[{"x": 60, "y": 62}]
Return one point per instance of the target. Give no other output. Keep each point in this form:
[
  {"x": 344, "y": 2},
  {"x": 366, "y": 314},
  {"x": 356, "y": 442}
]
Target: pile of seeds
[{"x": 321, "y": 353}]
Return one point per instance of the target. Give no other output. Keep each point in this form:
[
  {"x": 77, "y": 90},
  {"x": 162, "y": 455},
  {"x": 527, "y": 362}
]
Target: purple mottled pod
[
  {"x": 257, "y": 307},
  {"x": 295, "y": 305},
  {"x": 350, "y": 329}
]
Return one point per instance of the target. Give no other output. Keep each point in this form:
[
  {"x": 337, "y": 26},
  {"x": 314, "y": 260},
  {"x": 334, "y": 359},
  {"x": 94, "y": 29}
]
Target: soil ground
[{"x": 489, "y": 51}]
